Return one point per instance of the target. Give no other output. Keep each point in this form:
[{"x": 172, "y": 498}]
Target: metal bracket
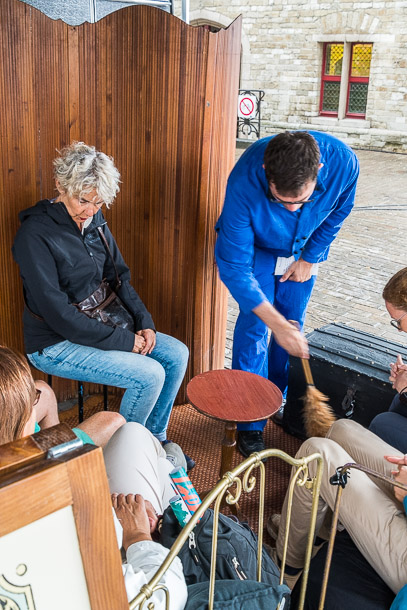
[
  {"x": 348, "y": 403},
  {"x": 340, "y": 477},
  {"x": 64, "y": 448},
  {"x": 309, "y": 483}
]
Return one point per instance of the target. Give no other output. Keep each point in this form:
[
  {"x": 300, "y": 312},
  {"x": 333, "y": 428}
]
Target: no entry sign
[{"x": 246, "y": 106}]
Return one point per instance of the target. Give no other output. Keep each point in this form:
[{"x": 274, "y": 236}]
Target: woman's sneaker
[{"x": 177, "y": 457}]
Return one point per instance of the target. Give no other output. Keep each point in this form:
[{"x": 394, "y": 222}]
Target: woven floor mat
[
  {"x": 92, "y": 405},
  {"x": 201, "y": 438}
]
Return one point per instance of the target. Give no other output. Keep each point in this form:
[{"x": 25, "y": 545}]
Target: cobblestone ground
[{"x": 366, "y": 253}]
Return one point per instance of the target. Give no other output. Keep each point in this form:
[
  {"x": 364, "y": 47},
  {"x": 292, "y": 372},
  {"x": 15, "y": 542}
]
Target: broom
[{"x": 318, "y": 415}]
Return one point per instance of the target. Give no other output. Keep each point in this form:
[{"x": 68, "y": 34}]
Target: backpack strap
[{"x": 104, "y": 240}]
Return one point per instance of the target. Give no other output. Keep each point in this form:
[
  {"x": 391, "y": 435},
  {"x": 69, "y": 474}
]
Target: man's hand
[
  {"x": 298, "y": 271},
  {"x": 285, "y": 333},
  {"x": 291, "y": 339},
  {"x": 132, "y": 514},
  {"x": 149, "y": 337},
  {"x": 400, "y": 475},
  {"x": 139, "y": 344}
]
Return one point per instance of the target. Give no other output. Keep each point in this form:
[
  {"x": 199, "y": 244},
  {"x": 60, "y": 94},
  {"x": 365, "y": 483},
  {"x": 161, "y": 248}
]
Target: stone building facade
[{"x": 283, "y": 47}]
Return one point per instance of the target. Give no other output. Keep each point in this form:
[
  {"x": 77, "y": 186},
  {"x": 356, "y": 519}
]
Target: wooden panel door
[{"x": 160, "y": 97}]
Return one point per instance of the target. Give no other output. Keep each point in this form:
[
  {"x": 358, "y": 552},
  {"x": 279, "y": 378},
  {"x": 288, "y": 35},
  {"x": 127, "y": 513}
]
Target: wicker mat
[{"x": 201, "y": 437}]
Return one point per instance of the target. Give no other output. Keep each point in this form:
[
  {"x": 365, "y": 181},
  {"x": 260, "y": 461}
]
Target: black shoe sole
[{"x": 245, "y": 452}]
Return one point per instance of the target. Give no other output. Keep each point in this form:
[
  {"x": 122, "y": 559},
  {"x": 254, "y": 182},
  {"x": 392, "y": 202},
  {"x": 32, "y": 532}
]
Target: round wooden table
[{"x": 233, "y": 397}]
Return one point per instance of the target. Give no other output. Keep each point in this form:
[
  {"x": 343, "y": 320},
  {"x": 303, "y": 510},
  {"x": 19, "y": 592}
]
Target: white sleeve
[{"x": 144, "y": 558}]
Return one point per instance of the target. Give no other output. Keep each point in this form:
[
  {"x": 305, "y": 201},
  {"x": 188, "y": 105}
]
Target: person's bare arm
[
  {"x": 101, "y": 426},
  {"x": 285, "y": 333}
]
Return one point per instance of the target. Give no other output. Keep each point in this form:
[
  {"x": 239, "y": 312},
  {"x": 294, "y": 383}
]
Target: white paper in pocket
[{"x": 283, "y": 263}]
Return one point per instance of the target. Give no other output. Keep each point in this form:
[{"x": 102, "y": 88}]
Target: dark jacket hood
[{"x": 46, "y": 208}]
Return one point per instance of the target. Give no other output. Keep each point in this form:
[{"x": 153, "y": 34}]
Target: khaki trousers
[
  {"x": 136, "y": 464},
  {"x": 374, "y": 519}
]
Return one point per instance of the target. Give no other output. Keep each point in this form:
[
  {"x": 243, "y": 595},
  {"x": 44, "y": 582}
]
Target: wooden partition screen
[{"x": 160, "y": 97}]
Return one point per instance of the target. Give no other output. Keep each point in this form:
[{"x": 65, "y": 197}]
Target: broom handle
[
  {"x": 307, "y": 371},
  {"x": 304, "y": 361}
]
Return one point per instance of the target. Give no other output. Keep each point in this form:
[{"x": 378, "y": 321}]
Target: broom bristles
[{"x": 318, "y": 415}]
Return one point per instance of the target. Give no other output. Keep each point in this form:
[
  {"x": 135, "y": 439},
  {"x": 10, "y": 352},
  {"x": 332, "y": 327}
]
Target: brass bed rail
[{"x": 240, "y": 480}]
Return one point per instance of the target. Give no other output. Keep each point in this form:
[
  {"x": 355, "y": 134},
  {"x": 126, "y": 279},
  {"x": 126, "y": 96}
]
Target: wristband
[{"x": 403, "y": 395}]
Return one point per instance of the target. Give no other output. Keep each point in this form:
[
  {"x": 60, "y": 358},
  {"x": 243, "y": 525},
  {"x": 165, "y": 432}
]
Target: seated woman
[
  {"x": 391, "y": 426},
  {"x": 64, "y": 249},
  {"x": 136, "y": 518}
]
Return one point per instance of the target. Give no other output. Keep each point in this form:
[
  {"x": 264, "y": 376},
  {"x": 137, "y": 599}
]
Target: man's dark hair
[{"x": 291, "y": 160}]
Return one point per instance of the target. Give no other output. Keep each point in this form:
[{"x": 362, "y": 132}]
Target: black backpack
[{"x": 236, "y": 551}]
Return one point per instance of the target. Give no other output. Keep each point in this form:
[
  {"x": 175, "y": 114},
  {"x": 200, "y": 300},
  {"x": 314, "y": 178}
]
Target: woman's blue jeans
[{"x": 151, "y": 381}]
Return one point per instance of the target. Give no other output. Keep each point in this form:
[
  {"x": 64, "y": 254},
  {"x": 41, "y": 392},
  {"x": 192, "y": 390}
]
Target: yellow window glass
[
  {"x": 361, "y": 59},
  {"x": 334, "y": 58}
]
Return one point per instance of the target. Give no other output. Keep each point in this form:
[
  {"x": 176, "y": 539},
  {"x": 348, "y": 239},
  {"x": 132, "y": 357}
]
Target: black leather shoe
[
  {"x": 278, "y": 416},
  {"x": 249, "y": 441}
]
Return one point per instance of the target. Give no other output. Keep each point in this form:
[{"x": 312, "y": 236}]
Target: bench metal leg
[
  {"x": 80, "y": 397},
  {"x": 80, "y": 401}
]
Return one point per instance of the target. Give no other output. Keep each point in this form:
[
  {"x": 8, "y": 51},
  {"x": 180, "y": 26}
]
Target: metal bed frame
[{"x": 230, "y": 488}]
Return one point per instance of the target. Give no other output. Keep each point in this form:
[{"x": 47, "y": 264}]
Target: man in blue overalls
[{"x": 286, "y": 200}]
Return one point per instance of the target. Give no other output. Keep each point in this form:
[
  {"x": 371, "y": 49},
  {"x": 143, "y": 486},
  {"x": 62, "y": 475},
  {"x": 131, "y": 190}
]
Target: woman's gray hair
[{"x": 81, "y": 169}]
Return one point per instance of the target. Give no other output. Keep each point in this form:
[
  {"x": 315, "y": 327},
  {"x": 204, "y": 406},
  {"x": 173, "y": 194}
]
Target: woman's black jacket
[{"x": 60, "y": 266}]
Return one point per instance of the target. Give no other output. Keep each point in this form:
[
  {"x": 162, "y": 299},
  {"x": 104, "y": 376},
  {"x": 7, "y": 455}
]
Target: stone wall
[{"x": 282, "y": 47}]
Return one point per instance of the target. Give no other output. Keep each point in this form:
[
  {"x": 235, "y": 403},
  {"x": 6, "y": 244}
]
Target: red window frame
[
  {"x": 354, "y": 79},
  {"x": 327, "y": 78}
]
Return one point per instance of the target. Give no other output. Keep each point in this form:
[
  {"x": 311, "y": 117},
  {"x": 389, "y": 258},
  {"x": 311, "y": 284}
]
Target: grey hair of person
[{"x": 80, "y": 169}]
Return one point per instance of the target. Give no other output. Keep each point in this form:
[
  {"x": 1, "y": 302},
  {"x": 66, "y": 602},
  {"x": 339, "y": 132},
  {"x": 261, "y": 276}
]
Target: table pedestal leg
[{"x": 228, "y": 447}]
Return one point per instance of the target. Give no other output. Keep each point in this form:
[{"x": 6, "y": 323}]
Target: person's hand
[
  {"x": 400, "y": 381},
  {"x": 400, "y": 460},
  {"x": 150, "y": 338},
  {"x": 139, "y": 344},
  {"x": 291, "y": 339},
  {"x": 396, "y": 367},
  {"x": 132, "y": 513},
  {"x": 400, "y": 475},
  {"x": 298, "y": 271}
]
